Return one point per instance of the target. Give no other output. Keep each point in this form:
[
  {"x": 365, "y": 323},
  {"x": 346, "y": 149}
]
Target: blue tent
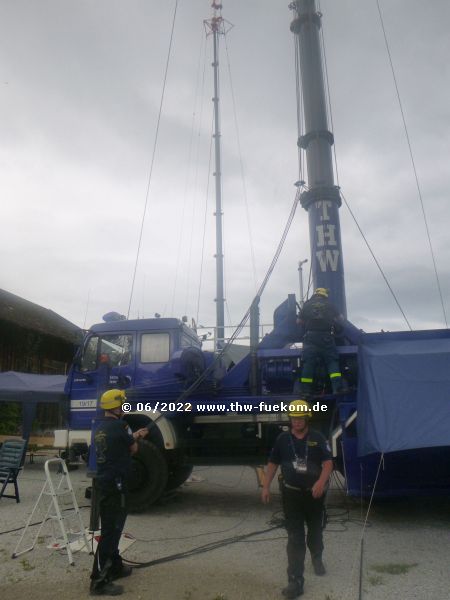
[
  {"x": 30, "y": 389},
  {"x": 404, "y": 391}
]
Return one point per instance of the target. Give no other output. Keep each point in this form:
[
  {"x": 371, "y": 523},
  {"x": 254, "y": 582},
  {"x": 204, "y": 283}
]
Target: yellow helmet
[
  {"x": 321, "y": 292},
  {"x": 300, "y": 408},
  {"x": 112, "y": 399}
]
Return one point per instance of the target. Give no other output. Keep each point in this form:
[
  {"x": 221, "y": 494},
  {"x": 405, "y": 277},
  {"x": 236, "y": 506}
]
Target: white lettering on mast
[
  {"x": 328, "y": 257},
  {"x": 324, "y": 206},
  {"x": 325, "y": 236}
]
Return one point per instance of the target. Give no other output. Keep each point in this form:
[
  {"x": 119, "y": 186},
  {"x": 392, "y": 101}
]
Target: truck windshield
[{"x": 118, "y": 348}]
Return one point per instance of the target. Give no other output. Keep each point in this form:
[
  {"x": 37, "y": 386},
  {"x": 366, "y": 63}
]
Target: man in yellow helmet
[
  {"x": 114, "y": 445},
  {"x": 319, "y": 318},
  {"x": 306, "y": 465}
]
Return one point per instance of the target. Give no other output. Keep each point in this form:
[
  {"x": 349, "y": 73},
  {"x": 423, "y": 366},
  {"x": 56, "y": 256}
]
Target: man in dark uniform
[
  {"x": 320, "y": 318},
  {"x": 114, "y": 445},
  {"x": 306, "y": 465}
]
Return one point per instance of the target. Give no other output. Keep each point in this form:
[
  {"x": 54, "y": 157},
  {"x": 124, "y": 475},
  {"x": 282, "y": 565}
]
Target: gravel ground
[{"x": 406, "y": 546}]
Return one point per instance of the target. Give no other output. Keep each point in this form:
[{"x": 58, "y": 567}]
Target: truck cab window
[
  {"x": 89, "y": 358},
  {"x": 155, "y": 347},
  {"x": 118, "y": 348}
]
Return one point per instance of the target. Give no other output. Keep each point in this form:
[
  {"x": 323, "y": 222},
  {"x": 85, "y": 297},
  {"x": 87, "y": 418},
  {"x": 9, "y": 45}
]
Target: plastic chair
[{"x": 12, "y": 457}]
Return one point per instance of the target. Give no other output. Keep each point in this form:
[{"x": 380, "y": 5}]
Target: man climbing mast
[{"x": 320, "y": 319}]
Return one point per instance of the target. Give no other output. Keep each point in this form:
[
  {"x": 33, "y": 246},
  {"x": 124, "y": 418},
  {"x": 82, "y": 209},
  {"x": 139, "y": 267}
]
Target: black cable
[
  {"x": 280, "y": 537},
  {"x": 198, "y": 550},
  {"x": 246, "y": 317},
  {"x": 37, "y": 522},
  {"x": 277, "y": 523},
  {"x": 188, "y": 537}
]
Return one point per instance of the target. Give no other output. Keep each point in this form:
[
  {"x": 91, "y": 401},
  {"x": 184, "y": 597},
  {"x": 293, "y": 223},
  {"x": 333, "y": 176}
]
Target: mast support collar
[
  {"x": 314, "y": 18},
  {"x": 320, "y": 193},
  {"x": 303, "y": 140}
]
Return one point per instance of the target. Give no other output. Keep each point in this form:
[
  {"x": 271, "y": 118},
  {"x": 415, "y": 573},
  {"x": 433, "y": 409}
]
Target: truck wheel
[
  {"x": 177, "y": 476},
  {"x": 148, "y": 476}
]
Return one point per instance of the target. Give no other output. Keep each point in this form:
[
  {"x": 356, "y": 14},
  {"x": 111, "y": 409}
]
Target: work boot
[
  {"x": 294, "y": 588},
  {"x": 122, "y": 571},
  {"x": 318, "y": 566},
  {"x": 105, "y": 589}
]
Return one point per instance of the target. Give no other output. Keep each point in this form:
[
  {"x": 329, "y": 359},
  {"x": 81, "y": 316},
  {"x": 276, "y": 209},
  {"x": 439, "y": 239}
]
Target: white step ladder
[{"x": 56, "y": 489}]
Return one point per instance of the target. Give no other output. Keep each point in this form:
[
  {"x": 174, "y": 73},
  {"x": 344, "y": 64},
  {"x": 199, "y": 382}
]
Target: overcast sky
[{"x": 80, "y": 90}]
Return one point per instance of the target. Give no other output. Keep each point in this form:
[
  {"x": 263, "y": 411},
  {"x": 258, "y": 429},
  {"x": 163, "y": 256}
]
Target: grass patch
[
  {"x": 220, "y": 597},
  {"x": 394, "y": 568},
  {"x": 375, "y": 580},
  {"x": 26, "y": 565}
]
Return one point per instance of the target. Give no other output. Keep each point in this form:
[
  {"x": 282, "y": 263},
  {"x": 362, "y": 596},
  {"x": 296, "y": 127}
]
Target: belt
[{"x": 298, "y": 489}]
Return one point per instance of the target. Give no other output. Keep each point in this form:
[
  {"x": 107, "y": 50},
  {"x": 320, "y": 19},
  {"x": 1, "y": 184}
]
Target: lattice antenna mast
[
  {"x": 322, "y": 199},
  {"x": 217, "y": 26}
]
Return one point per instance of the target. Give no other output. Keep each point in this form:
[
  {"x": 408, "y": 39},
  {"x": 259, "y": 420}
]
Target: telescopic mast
[
  {"x": 216, "y": 26},
  {"x": 322, "y": 198}
]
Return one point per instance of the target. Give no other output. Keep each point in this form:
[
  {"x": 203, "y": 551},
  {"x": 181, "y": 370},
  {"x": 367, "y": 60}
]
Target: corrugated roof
[{"x": 26, "y": 314}]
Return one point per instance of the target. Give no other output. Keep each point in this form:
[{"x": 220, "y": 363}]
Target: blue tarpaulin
[
  {"x": 30, "y": 389},
  {"x": 403, "y": 392},
  {"x": 15, "y": 386}
]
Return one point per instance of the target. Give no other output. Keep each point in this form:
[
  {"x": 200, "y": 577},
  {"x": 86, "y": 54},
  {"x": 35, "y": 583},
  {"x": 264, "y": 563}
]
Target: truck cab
[{"x": 163, "y": 355}]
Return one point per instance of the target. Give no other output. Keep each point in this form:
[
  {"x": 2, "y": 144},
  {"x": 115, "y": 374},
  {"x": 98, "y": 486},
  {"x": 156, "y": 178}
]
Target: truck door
[
  {"x": 115, "y": 349},
  {"x": 118, "y": 351}
]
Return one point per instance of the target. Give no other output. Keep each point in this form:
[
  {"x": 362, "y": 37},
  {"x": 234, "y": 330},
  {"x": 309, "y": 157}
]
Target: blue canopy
[
  {"x": 404, "y": 391},
  {"x": 30, "y": 389},
  {"x": 15, "y": 385}
]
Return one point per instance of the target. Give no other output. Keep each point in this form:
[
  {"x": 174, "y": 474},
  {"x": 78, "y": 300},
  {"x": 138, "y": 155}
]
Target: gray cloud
[{"x": 80, "y": 89}]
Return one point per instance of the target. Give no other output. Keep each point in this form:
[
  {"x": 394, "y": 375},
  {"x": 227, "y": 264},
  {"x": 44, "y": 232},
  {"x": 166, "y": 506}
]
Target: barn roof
[{"x": 27, "y": 315}]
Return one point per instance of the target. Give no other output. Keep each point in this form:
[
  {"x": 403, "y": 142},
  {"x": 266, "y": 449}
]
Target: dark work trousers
[
  {"x": 299, "y": 508},
  {"x": 318, "y": 344},
  {"x": 113, "y": 514}
]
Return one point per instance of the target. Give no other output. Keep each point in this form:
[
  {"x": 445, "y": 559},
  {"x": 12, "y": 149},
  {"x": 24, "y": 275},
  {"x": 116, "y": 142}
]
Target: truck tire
[
  {"x": 148, "y": 477},
  {"x": 177, "y": 476}
]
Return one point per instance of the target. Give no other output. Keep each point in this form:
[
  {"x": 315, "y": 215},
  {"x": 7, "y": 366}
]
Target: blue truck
[
  {"x": 232, "y": 416},
  {"x": 204, "y": 409}
]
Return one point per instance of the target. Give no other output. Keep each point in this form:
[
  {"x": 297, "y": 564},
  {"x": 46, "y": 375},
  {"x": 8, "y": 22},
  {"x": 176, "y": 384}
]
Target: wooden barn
[{"x": 34, "y": 339}]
